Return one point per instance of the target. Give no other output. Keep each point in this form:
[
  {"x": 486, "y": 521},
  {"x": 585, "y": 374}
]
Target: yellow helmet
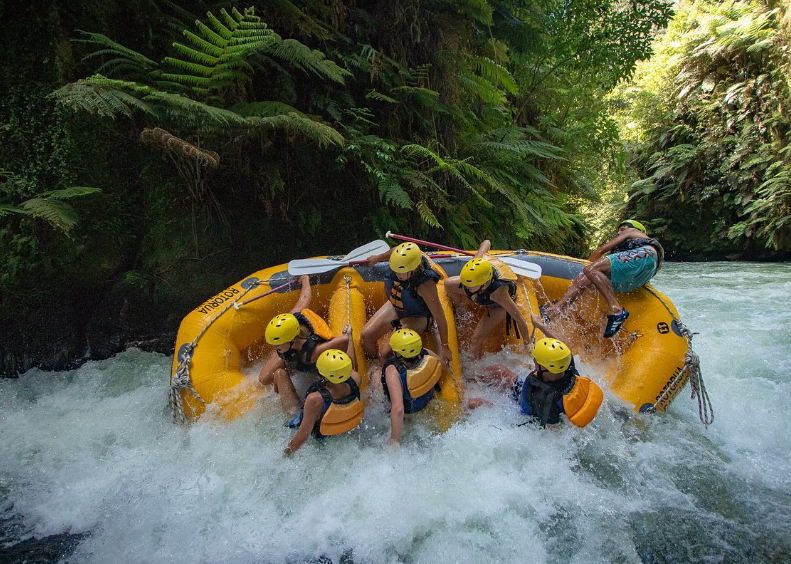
[
  {"x": 283, "y": 328},
  {"x": 406, "y": 342},
  {"x": 552, "y": 355},
  {"x": 405, "y": 257},
  {"x": 634, "y": 223},
  {"x": 476, "y": 272},
  {"x": 334, "y": 365}
]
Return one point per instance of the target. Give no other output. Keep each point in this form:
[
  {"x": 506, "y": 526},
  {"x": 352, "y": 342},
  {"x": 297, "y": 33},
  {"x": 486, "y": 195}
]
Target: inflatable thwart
[{"x": 646, "y": 364}]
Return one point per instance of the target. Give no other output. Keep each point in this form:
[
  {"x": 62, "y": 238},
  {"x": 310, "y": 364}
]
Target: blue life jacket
[
  {"x": 411, "y": 405},
  {"x": 319, "y": 387},
  {"x": 403, "y": 294}
]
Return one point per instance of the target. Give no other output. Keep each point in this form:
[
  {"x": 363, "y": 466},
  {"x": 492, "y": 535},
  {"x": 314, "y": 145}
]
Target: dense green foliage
[
  {"x": 710, "y": 127},
  {"x": 238, "y": 136}
]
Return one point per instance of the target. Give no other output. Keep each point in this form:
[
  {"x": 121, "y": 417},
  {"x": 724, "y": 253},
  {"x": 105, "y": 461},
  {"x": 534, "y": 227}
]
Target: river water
[{"x": 94, "y": 470}]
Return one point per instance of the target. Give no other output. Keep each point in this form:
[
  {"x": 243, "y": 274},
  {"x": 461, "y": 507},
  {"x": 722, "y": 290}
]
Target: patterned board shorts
[{"x": 632, "y": 269}]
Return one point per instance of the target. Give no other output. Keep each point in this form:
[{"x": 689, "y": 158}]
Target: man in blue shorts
[{"x": 632, "y": 261}]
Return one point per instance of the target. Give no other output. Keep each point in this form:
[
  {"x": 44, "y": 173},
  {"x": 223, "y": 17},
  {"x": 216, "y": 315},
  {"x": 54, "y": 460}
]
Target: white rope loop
[
  {"x": 181, "y": 379},
  {"x": 692, "y": 368}
]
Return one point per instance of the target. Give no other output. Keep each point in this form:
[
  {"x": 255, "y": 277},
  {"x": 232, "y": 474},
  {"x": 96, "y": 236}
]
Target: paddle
[
  {"x": 319, "y": 265},
  {"x": 270, "y": 291},
  {"x": 520, "y": 267}
]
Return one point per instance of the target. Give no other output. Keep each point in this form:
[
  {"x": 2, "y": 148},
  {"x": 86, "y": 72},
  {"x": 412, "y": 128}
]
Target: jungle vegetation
[{"x": 154, "y": 151}]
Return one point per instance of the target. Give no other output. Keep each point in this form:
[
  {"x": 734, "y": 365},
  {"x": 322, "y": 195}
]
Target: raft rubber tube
[{"x": 643, "y": 365}]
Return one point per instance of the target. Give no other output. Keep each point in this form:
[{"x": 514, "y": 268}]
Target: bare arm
[
  {"x": 625, "y": 235},
  {"x": 304, "y": 296},
  {"x": 380, "y": 258},
  {"x": 341, "y": 343},
  {"x": 549, "y": 333},
  {"x": 503, "y": 298},
  {"x": 428, "y": 292},
  {"x": 393, "y": 381},
  {"x": 310, "y": 415},
  {"x": 483, "y": 248}
]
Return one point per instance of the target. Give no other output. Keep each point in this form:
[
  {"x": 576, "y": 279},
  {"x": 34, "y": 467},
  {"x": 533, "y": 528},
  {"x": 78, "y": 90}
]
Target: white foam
[{"x": 92, "y": 450}]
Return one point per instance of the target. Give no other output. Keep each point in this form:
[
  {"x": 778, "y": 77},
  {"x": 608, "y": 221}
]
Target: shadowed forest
[{"x": 152, "y": 152}]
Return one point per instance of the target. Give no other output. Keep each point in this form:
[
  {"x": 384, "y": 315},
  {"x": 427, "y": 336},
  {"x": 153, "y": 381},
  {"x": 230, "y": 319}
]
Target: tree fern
[{"x": 48, "y": 205}]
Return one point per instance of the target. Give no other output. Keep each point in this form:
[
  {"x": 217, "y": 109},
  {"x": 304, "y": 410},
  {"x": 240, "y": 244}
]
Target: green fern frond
[
  {"x": 99, "y": 97},
  {"x": 425, "y": 96},
  {"x": 204, "y": 46},
  {"x": 7, "y": 209},
  {"x": 210, "y": 35},
  {"x": 307, "y": 59},
  {"x": 374, "y": 95},
  {"x": 58, "y": 213},
  {"x": 192, "y": 111},
  {"x": 391, "y": 193},
  {"x": 427, "y": 215},
  {"x": 71, "y": 192},
  {"x": 496, "y": 74},
  {"x": 119, "y": 55},
  {"x": 219, "y": 27},
  {"x": 295, "y": 123},
  {"x": 207, "y": 60}
]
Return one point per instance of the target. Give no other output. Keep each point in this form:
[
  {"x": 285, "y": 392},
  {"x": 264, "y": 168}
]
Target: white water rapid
[{"x": 94, "y": 470}]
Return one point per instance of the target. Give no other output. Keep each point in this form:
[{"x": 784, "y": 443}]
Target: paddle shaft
[
  {"x": 428, "y": 243},
  {"x": 525, "y": 269},
  {"x": 271, "y": 291}
]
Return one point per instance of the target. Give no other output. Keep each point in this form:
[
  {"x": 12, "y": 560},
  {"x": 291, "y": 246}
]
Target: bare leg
[
  {"x": 455, "y": 294},
  {"x": 599, "y": 275},
  {"x": 267, "y": 374},
  {"x": 577, "y": 287},
  {"x": 378, "y": 325},
  {"x": 288, "y": 394},
  {"x": 490, "y": 321}
]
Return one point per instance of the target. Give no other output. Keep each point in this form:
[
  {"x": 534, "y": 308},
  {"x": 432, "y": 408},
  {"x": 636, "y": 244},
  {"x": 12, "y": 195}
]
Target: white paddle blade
[
  {"x": 313, "y": 266},
  {"x": 366, "y": 251},
  {"x": 521, "y": 267}
]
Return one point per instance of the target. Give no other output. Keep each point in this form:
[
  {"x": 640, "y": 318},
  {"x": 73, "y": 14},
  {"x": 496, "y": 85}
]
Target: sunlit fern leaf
[
  {"x": 71, "y": 192},
  {"x": 192, "y": 111},
  {"x": 104, "y": 97},
  {"x": 495, "y": 73},
  {"x": 483, "y": 89},
  {"x": 215, "y": 56},
  {"x": 391, "y": 193},
  {"x": 7, "y": 209},
  {"x": 427, "y": 215},
  {"x": 306, "y": 59},
  {"x": 296, "y": 123},
  {"x": 374, "y": 95},
  {"x": 56, "y": 212},
  {"x": 122, "y": 60}
]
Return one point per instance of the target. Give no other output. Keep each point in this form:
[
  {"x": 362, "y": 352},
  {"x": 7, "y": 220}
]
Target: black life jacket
[
  {"x": 544, "y": 400},
  {"x": 484, "y": 298},
  {"x": 631, "y": 244},
  {"x": 301, "y": 360}
]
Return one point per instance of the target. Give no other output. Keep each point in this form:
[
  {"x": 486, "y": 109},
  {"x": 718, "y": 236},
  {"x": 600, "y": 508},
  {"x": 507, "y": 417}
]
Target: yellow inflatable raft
[{"x": 220, "y": 340}]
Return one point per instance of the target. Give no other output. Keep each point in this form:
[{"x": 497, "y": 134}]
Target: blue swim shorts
[{"x": 631, "y": 269}]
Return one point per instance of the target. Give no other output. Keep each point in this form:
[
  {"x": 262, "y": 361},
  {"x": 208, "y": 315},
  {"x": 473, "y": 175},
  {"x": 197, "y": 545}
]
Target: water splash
[{"x": 93, "y": 465}]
